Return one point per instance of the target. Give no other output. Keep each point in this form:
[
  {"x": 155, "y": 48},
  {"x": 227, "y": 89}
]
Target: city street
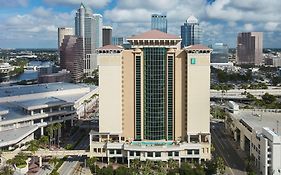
[
  {"x": 226, "y": 149},
  {"x": 72, "y": 164},
  {"x": 69, "y": 166}
]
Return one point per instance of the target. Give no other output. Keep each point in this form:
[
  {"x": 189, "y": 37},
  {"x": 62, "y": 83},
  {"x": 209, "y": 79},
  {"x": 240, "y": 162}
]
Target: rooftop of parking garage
[
  {"x": 11, "y": 137},
  {"x": 40, "y": 88},
  {"x": 16, "y": 113},
  {"x": 41, "y": 103},
  {"x": 257, "y": 119}
]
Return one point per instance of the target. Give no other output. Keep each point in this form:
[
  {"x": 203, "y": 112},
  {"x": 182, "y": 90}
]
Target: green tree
[
  {"x": 57, "y": 127},
  {"x": 135, "y": 165},
  {"x": 54, "y": 161},
  {"x": 33, "y": 146},
  {"x": 147, "y": 167},
  {"x": 186, "y": 169},
  {"x": 43, "y": 140},
  {"x": 121, "y": 170},
  {"x": 198, "y": 170},
  {"x": 268, "y": 98},
  {"x": 220, "y": 165},
  {"x": 6, "y": 170},
  {"x": 172, "y": 164},
  {"x": 19, "y": 160},
  {"x": 160, "y": 167},
  {"x": 211, "y": 167},
  {"x": 54, "y": 173},
  {"x": 106, "y": 171},
  {"x": 91, "y": 163},
  {"x": 50, "y": 132},
  {"x": 69, "y": 146}
]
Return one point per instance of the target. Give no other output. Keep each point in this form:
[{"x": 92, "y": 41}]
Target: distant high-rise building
[
  {"x": 190, "y": 32},
  {"x": 118, "y": 40},
  {"x": 62, "y": 31},
  {"x": 249, "y": 48},
  {"x": 88, "y": 26},
  {"x": 84, "y": 28},
  {"x": 158, "y": 94},
  {"x": 159, "y": 22},
  {"x": 106, "y": 35},
  {"x": 98, "y": 23},
  {"x": 219, "y": 53},
  {"x": 71, "y": 54}
]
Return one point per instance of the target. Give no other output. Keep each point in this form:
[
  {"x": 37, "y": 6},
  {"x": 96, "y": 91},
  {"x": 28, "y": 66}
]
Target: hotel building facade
[{"x": 154, "y": 101}]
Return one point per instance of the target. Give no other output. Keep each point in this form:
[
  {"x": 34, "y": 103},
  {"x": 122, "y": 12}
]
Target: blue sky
[{"x": 33, "y": 23}]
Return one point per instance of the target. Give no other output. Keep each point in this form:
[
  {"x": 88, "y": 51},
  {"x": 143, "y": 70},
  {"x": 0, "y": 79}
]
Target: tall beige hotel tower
[{"x": 154, "y": 101}]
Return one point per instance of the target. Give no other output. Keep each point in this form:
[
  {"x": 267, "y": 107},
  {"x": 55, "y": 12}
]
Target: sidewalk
[{"x": 235, "y": 145}]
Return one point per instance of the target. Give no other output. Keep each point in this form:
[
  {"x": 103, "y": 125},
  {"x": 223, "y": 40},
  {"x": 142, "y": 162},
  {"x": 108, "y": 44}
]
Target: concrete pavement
[
  {"x": 68, "y": 167},
  {"x": 45, "y": 170}
]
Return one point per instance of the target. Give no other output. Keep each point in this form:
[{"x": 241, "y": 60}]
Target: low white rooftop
[
  {"x": 18, "y": 90},
  {"x": 10, "y": 137},
  {"x": 257, "y": 120},
  {"x": 40, "y": 103}
]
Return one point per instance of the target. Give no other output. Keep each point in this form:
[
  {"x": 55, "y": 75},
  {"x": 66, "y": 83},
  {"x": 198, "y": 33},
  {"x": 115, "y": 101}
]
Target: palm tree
[
  {"x": 162, "y": 167},
  {"x": 92, "y": 161},
  {"x": 135, "y": 164},
  {"x": 172, "y": 164},
  {"x": 50, "y": 132},
  {"x": 43, "y": 141},
  {"x": 33, "y": 146},
  {"x": 92, "y": 164},
  {"x": 147, "y": 167},
  {"x": 57, "y": 126}
]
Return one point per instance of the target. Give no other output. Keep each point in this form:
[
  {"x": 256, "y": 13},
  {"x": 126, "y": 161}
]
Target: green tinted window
[{"x": 193, "y": 60}]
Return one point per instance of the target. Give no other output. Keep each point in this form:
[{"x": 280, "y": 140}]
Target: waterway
[{"x": 28, "y": 74}]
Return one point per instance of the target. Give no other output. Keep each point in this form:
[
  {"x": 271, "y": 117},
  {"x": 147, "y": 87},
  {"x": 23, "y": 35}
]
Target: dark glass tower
[
  {"x": 220, "y": 53},
  {"x": 154, "y": 93},
  {"x": 190, "y": 32},
  {"x": 159, "y": 22}
]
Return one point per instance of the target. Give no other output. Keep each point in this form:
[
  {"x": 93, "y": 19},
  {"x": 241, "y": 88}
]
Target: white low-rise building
[
  {"x": 25, "y": 110},
  {"x": 6, "y": 68},
  {"x": 258, "y": 134}
]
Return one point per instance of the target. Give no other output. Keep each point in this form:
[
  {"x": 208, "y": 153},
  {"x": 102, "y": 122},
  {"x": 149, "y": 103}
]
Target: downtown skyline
[{"x": 33, "y": 24}]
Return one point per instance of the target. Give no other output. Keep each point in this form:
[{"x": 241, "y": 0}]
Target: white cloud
[
  {"x": 42, "y": 12},
  {"x": 13, "y": 3},
  {"x": 247, "y": 10},
  {"x": 92, "y": 3},
  {"x": 220, "y": 20},
  {"x": 126, "y": 15},
  {"x": 35, "y": 29},
  {"x": 272, "y": 26},
  {"x": 249, "y": 27}
]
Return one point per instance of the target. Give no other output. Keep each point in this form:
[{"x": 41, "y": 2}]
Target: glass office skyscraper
[
  {"x": 88, "y": 26},
  {"x": 219, "y": 53},
  {"x": 159, "y": 22},
  {"x": 84, "y": 28},
  {"x": 190, "y": 32}
]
